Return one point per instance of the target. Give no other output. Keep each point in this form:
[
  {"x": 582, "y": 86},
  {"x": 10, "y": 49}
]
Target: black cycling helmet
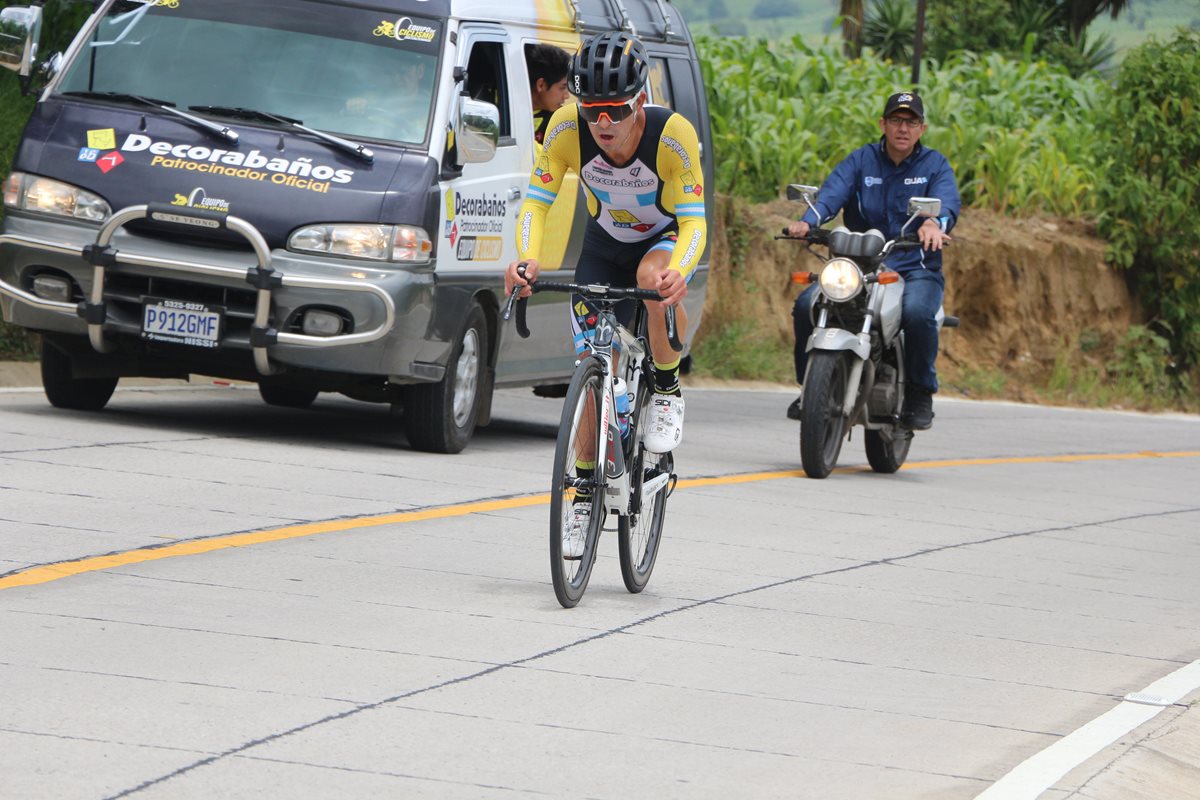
[{"x": 609, "y": 66}]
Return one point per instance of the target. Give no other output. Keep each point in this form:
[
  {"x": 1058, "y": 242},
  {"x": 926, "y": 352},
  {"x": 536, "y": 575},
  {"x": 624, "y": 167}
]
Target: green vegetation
[
  {"x": 1020, "y": 133},
  {"x": 979, "y": 19},
  {"x": 1148, "y": 202},
  {"x": 739, "y": 351}
]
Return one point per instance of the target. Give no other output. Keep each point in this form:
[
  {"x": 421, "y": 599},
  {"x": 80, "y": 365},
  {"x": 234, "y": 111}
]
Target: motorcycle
[{"x": 855, "y": 373}]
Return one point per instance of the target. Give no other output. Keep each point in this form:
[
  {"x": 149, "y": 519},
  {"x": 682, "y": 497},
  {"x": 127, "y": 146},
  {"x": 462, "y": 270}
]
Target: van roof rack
[
  {"x": 666, "y": 15},
  {"x": 623, "y": 16}
]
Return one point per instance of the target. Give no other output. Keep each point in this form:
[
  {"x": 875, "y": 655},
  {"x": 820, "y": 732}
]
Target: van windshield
[{"x": 335, "y": 68}]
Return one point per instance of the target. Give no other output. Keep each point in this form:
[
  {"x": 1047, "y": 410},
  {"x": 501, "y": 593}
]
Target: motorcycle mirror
[
  {"x": 924, "y": 206},
  {"x": 921, "y": 207},
  {"x": 807, "y": 194},
  {"x": 802, "y": 193}
]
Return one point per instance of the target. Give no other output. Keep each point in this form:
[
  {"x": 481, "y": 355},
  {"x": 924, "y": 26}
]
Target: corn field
[{"x": 1020, "y": 134}]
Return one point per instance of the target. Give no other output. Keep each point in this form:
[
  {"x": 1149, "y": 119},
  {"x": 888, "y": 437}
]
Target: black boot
[
  {"x": 918, "y": 409},
  {"x": 793, "y": 410}
]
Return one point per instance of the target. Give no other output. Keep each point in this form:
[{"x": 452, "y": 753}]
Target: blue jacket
[{"x": 872, "y": 192}]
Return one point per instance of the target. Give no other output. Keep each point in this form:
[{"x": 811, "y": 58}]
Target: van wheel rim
[{"x": 466, "y": 378}]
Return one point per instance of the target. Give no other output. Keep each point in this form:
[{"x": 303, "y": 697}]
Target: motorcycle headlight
[
  {"x": 46, "y": 196},
  {"x": 841, "y": 279},
  {"x": 405, "y": 244}
]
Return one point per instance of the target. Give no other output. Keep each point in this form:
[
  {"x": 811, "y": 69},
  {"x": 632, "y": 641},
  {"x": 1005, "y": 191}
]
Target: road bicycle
[{"x": 629, "y": 482}]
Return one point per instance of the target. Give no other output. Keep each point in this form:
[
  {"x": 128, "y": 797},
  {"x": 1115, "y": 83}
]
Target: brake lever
[{"x": 673, "y": 330}]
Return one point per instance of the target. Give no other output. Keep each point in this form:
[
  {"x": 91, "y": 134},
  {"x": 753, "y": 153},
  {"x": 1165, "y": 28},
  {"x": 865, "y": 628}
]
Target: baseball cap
[{"x": 906, "y": 100}]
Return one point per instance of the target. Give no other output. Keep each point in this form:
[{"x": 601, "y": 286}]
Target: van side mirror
[
  {"x": 20, "y": 31},
  {"x": 476, "y": 131}
]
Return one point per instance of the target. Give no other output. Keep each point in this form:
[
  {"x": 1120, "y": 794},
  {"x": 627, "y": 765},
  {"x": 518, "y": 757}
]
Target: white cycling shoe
[
  {"x": 664, "y": 428},
  {"x": 575, "y": 537}
]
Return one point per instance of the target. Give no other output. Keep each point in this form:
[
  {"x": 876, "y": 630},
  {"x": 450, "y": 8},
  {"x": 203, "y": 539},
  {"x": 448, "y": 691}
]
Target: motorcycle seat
[{"x": 855, "y": 244}]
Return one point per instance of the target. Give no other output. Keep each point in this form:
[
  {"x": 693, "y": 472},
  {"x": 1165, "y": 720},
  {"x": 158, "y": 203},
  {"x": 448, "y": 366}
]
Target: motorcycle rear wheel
[
  {"x": 822, "y": 424},
  {"x": 887, "y": 456}
]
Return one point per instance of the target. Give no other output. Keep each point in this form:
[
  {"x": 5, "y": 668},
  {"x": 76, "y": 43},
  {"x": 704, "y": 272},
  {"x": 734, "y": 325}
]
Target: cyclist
[{"x": 640, "y": 167}]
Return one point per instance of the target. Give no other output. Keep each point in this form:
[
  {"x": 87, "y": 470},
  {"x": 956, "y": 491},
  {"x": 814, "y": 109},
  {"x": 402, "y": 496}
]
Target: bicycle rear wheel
[
  {"x": 578, "y": 470},
  {"x": 641, "y": 533}
]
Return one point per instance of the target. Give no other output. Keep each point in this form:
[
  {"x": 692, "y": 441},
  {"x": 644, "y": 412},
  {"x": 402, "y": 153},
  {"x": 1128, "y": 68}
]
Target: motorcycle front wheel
[
  {"x": 822, "y": 424},
  {"x": 887, "y": 456}
]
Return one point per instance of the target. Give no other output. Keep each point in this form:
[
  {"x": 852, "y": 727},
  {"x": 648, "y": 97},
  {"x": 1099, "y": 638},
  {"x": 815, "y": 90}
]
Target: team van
[{"x": 314, "y": 195}]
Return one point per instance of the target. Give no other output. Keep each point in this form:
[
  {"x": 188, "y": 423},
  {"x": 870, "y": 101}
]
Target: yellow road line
[{"x": 65, "y": 569}]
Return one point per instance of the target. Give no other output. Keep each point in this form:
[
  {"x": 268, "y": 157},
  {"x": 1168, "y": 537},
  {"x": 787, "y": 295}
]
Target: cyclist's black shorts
[{"x": 605, "y": 260}]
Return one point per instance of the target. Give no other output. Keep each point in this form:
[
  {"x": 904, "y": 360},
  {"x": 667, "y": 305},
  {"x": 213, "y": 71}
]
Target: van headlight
[
  {"x": 46, "y": 196},
  {"x": 841, "y": 279},
  {"x": 406, "y": 244}
]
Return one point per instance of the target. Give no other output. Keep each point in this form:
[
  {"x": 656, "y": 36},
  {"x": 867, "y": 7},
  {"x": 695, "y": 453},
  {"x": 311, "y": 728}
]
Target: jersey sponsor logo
[
  {"x": 542, "y": 171},
  {"x": 623, "y": 219},
  {"x": 635, "y": 171},
  {"x": 553, "y": 133},
  {"x": 620, "y": 179},
  {"x": 691, "y": 185},
  {"x": 915, "y": 181},
  {"x": 690, "y": 253},
  {"x": 88, "y": 154},
  {"x": 871, "y": 180},
  {"x": 526, "y": 230},
  {"x": 678, "y": 150}
]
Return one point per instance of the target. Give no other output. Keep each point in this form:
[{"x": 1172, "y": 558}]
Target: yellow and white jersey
[{"x": 659, "y": 188}]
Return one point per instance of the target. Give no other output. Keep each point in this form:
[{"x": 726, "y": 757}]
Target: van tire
[
  {"x": 63, "y": 390},
  {"x": 440, "y": 417},
  {"x": 287, "y": 396}
]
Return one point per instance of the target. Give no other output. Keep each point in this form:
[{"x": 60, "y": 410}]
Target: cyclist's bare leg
[{"x": 652, "y": 265}]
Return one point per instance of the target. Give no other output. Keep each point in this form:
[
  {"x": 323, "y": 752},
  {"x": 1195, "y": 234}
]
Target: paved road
[{"x": 909, "y": 636}]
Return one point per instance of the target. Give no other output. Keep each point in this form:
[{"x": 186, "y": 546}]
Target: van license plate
[{"x": 178, "y": 322}]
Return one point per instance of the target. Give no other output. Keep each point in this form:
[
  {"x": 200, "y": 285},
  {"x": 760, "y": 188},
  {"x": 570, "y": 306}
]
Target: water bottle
[{"x": 621, "y": 393}]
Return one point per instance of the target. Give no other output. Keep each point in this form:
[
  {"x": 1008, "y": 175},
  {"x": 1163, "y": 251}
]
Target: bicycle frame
[
  {"x": 619, "y": 489},
  {"x": 632, "y": 354}
]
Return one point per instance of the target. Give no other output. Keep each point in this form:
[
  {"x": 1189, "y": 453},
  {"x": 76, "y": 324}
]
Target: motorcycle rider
[{"x": 871, "y": 187}]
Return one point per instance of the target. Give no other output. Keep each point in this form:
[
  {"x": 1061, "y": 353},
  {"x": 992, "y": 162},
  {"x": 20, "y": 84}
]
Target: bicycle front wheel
[
  {"x": 641, "y": 532},
  {"x": 577, "y": 488}
]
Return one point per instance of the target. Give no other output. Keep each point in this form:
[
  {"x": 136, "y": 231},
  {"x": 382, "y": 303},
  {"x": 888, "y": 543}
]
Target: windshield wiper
[
  {"x": 164, "y": 105},
  {"x": 365, "y": 153}
]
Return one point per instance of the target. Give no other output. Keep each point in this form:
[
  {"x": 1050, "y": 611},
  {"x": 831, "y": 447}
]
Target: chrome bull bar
[{"x": 102, "y": 256}]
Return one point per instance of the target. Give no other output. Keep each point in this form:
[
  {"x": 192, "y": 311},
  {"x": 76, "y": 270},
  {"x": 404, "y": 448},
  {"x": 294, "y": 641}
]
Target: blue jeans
[{"x": 923, "y": 291}]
